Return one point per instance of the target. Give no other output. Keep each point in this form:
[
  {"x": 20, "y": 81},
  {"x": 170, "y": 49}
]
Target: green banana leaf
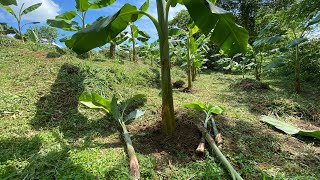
[
  {"x": 34, "y": 37},
  {"x": 289, "y": 129},
  {"x": 103, "y": 31},
  {"x": 8, "y": 2},
  {"x": 229, "y": 36},
  {"x": 67, "y": 15},
  {"x": 82, "y": 5},
  {"x": 31, "y": 8},
  {"x": 97, "y": 4},
  {"x": 95, "y": 101}
]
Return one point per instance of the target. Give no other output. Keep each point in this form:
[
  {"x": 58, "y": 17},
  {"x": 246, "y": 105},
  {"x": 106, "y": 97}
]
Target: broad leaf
[
  {"x": 214, "y": 109},
  {"x": 196, "y": 105},
  {"x": 31, "y": 8},
  {"x": 33, "y": 36},
  {"x": 144, "y": 7},
  {"x": 267, "y": 40},
  {"x": 8, "y": 2},
  {"x": 97, "y": 4},
  {"x": 277, "y": 62},
  {"x": 173, "y": 32},
  {"x": 193, "y": 45},
  {"x": 67, "y": 25},
  {"x": 175, "y": 2},
  {"x": 129, "y": 101},
  {"x": 82, "y": 5},
  {"x": 296, "y": 42},
  {"x": 95, "y": 101},
  {"x": 315, "y": 20},
  {"x": 144, "y": 34},
  {"x": 229, "y": 36},
  {"x": 67, "y": 15},
  {"x": 193, "y": 29},
  {"x": 142, "y": 39},
  {"x": 134, "y": 115},
  {"x": 103, "y": 31},
  {"x": 9, "y": 10},
  {"x": 115, "y": 111},
  {"x": 289, "y": 129}
]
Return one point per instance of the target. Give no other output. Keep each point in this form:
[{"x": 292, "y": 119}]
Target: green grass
[{"x": 46, "y": 134}]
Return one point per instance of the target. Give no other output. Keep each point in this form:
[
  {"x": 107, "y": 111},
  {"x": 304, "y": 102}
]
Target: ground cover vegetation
[{"x": 249, "y": 109}]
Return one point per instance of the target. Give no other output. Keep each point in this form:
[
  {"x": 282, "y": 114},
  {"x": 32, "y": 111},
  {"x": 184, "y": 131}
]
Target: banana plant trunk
[
  {"x": 133, "y": 160},
  {"x": 297, "y": 72},
  {"x": 168, "y": 122},
  {"x": 189, "y": 70},
  {"x": 112, "y": 53},
  {"x": 194, "y": 73}
]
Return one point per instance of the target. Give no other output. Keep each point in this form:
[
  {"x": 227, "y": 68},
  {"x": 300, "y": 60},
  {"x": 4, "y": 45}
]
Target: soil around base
[
  {"x": 179, "y": 148},
  {"x": 250, "y": 85}
]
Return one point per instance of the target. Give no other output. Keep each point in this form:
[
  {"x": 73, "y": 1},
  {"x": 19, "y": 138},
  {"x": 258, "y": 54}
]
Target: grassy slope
[{"x": 45, "y": 134}]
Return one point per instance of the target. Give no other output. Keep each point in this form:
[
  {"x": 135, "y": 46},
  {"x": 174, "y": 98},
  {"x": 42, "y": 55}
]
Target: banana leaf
[{"x": 290, "y": 129}]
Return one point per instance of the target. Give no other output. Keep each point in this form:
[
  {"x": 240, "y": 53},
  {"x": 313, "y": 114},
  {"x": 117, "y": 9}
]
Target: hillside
[{"x": 47, "y": 134}]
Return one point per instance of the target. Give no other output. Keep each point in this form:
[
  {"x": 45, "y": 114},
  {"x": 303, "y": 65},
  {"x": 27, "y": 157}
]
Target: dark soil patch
[
  {"x": 250, "y": 85},
  {"x": 178, "y": 148},
  {"x": 178, "y": 84}
]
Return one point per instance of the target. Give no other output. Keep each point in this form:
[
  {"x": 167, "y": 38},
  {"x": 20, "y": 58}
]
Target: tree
[
  {"x": 44, "y": 32},
  {"x": 211, "y": 19},
  {"x": 23, "y": 11},
  {"x": 137, "y": 34},
  {"x": 66, "y": 21},
  {"x": 122, "y": 37}
]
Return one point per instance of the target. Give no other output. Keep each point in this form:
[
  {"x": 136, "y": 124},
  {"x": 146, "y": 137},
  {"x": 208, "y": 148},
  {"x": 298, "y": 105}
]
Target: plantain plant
[
  {"x": 211, "y": 110},
  {"x": 66, "y": 21},
  {"x": 137, "y": 34},
  {"x": 122, "y": 37},
  {"x": 22, "y": 11},
  {"x": 118, "y": 111},
  {"x": 211, "y": 19}
]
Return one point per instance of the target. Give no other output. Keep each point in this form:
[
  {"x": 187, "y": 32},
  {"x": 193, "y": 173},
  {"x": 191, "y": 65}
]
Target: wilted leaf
[
  {"x": 289, "y": 129},
  {"x": 134, "y": 115}
]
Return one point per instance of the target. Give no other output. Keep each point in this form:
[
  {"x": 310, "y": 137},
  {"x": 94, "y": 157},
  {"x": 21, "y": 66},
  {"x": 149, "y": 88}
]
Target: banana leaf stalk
[
  {"x": 234, "y": 174},
  {"x": 117, "y": 110},
  {"x": 133, "y": 160},
  {"x": 217, "y": 135}
]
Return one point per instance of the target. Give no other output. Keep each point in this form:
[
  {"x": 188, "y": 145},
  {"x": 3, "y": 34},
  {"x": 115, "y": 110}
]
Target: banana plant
[
  {"x": 211, "y": 110},
  {"x": 194, "y": 50},
  {"x": 150, "y": 50},
  {"x": 211, "y": 19},
  {"x": 118, "y": 111},
  {"x": 22, "y": 11},
  {"x": 122, "y": 37},
  {"x": 259, "y": 47},
  {"x": 136, "y": 34},
  {"x": 66, "y": 21}
]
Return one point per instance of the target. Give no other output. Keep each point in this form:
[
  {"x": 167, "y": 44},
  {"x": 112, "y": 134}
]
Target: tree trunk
[
  {"x": 134, "y": 50},
  {"x": 297, "y": 72},
  {"x": 194, "y": 73},
  {"x": 257, "y": 75},
  {"x": 189, "y": 70},
  {"x": 133, "y": 161},
  {"x": 112, "y": 53},
  {"x": 168, "y": 122}
]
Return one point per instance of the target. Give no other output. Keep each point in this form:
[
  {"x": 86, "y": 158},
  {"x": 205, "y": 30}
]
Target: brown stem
[{"x": 201, "y": 146}]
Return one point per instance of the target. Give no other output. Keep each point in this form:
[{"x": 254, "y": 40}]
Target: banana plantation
[{"x": 160, "y": 89}]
